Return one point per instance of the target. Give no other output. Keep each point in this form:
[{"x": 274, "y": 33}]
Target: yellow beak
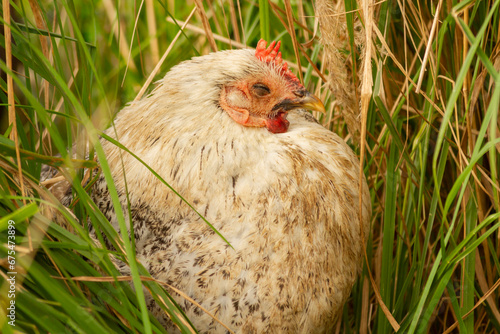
[{"x": 308, "y": 101}]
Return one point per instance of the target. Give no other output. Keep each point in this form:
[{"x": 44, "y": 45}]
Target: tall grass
[{"x": 432, "y": 152}]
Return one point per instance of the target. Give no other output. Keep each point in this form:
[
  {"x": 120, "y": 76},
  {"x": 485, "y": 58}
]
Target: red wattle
[{"x": 278, "y": 124}]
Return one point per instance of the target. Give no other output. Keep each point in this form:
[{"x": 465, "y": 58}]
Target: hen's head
[
  {"x": 254, "y": 87},
  {"x": 264, "y": 96}
]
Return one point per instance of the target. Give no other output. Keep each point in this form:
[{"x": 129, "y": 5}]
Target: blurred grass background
[{"x": 431, "y": 150}]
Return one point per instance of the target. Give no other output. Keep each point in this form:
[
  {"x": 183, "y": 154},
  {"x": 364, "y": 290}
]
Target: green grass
[{"x": 432, "y": 154}]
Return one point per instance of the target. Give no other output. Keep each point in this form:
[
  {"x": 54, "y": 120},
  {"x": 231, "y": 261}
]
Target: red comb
[{"x": 272, "y": 55}]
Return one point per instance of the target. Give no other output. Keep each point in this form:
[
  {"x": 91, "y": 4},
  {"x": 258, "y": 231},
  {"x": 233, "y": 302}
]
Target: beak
[{"x": 307, "y": 101}]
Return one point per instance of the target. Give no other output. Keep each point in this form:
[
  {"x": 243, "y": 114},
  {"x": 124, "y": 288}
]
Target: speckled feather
[{"x": 287, "y": 203}]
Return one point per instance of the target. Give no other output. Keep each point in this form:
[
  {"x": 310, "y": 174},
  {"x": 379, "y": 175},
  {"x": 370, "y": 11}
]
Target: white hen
[{"x": 227, "y": 131}]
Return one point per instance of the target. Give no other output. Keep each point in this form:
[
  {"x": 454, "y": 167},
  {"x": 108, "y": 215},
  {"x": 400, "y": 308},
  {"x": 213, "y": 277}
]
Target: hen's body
[{"x": 287, "y": 203}]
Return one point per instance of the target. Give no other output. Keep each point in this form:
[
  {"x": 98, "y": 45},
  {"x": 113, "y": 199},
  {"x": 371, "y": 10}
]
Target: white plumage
[{"x": 287, "y": 202}]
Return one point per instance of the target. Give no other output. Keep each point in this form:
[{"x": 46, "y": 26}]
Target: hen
[{"x": 229, "y": 132}]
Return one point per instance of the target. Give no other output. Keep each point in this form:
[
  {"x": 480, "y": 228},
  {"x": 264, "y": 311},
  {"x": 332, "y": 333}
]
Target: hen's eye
[{"x": 261, "y": 89}]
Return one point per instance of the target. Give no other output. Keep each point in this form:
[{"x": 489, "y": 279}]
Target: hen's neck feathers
[{"x": 187, "y": 99}]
